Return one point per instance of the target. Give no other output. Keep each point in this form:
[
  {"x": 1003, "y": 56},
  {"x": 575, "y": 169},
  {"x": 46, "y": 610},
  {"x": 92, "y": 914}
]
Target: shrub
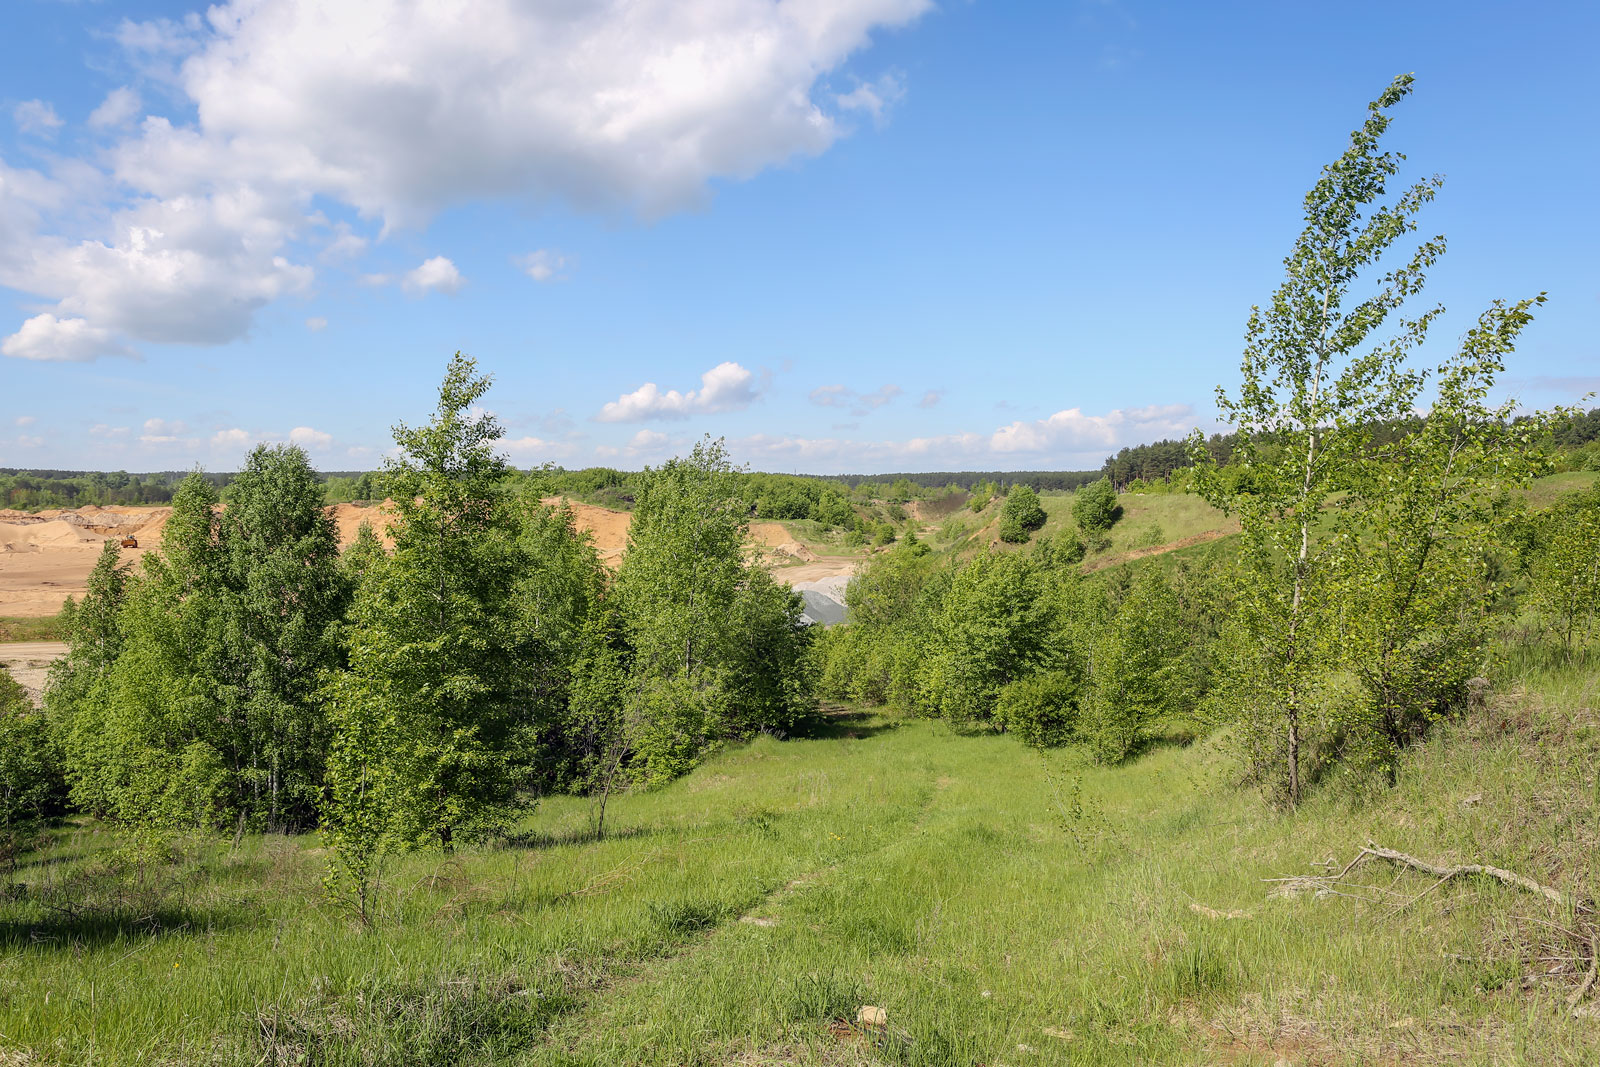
[
  {"x": 1041, "y": 709},
  {"x": 1094, "y": 508},
  {"x": 1021, "y": 515}
]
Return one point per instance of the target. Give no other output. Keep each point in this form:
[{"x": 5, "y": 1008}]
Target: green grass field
[
  {"x": 46, "y": 628},
  {"x": 1000, "y": 906}
]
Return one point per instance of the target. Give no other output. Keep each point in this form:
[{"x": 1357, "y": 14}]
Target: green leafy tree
[
  {"x": 146, "y": 746},
  {"x": 1095, "y": 510},
  {"x": 435, "y": 719},
  {"x": 76, "y": 693},
  {"x": 1424, "y": 514},
  {"x": 1317, "y": 370},
  {"x": 1021, "y": 515},
  {"x": 283, "y": 594},
  {"x": 1564, "y": 575},
  {"x": 31, "y": 786},
  {"x": 684, "y": 564},
  {"x": 717, "y": 649},
  {"x": 1136, "y": 672},
  {"x": 1041, "y": 709},
  {"x": 993, "y": 630}
]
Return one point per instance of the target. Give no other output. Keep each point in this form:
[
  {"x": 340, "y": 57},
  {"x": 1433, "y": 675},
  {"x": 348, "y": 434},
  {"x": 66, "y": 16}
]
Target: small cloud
[
  {"x": 118, "y": 109},
  {"x": 230, "y": 439},
  {"x": 346, "y": 244},
  {"x": 377, "y": 279},
  {"x": 162, "y": 426},
  {"x": 536, "y": 446},
  {"x": 108, "y": 432},
  {"x": 837, "y": 396},
  {"x": 29, "y": 441},
  {"x": 162, "y": 432},
  {"x": 876, "y": 98},
  {"x": 316, "y": 324},
  {"x": 544, "y": 265},
  {"x": 725, "y": 387},
  {"x": 437, "y": 274},
  {"x": 1071, "y": 429},
  {"x": 49, "y": 339},
  {"x": 931, "y": 398},
  {"x": 27, "y": 420},
  {"x": 36, "y": 117},
  {"x": 310, "y": 439}
]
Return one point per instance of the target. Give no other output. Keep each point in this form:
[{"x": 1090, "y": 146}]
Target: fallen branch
[
  {"x": 1444, "y": 874},
  {"x": 1329, "y": 885}
]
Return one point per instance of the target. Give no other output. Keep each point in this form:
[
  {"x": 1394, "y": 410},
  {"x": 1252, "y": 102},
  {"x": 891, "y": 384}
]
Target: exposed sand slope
[
  {"x": 46, "y": 557},
  {"x": 29, "y": 662},
  {"x": 608, "y": 528}
]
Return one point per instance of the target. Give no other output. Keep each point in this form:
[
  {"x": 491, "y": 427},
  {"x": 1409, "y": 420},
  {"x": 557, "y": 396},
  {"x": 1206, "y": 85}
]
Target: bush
[
  {"x": 30, "y": 778},
  {"x": 1021, "y": 515},
  {"x": 1094, "y": 508},
  {"x": 1042, "y": 709}
]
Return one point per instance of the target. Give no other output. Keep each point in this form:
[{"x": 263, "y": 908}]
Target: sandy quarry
[{"x": 46, "y": 556}]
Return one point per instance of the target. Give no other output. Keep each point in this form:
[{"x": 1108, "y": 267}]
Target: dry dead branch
[{"x": 1332, "y": 884}]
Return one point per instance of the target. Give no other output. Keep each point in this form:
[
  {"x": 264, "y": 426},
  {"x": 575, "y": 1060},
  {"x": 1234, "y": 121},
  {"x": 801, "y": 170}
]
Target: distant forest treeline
[{"x": 780, "y": 496}]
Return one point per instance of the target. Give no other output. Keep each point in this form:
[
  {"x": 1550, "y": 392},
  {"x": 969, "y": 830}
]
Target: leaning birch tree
[{"x": 1321, "y": 366}]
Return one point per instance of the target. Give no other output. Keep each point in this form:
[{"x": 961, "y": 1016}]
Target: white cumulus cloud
[
  {"x": 118, "y": 108},
  {"x": 36, "y": 117},
  {"x": 45, "y": 337},
  {"x": 837, "y": 396},
  {"x": 544, "y": 265},
  {"x": 26, "y": 420},
  {"x": 725, "y": 387},
  {"x": 181, "y": 229},
  {"x": 163, "y": 431},
  {"x": 875, "y": 98},
  {"x": 232, "y": 439},
  {"x": 437, "y": 275},
  {"x": 316, "y": 324},
  {"x": 1071, "y": 429},
  {"x": 309, "y": 439}
]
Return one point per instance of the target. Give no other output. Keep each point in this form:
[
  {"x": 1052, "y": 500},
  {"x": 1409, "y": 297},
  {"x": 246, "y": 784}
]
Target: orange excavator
[{"x": 129, "y": 542}]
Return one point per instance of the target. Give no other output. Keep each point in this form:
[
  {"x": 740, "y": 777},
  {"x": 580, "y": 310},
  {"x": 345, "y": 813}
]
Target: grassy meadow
[{"x": 1000, "y": 906}]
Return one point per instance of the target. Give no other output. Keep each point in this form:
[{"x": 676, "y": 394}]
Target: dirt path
[
  {"x": 1155, "y": 550},
  {"x": 29, "y": 663}
]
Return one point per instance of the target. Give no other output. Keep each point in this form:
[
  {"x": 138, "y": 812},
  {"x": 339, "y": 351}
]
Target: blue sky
[{"x": 847, "y": 235}]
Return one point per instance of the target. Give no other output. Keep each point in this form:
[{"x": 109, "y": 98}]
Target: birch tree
[{"x": 1320, "y": 364}]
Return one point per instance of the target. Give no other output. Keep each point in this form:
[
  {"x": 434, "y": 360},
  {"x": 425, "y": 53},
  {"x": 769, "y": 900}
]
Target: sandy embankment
[{"x": 46, "y": 557}]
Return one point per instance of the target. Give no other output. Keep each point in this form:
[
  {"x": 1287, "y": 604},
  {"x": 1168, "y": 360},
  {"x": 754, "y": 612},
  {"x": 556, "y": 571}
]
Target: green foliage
[
  {"x": 1021, "y": 515},
  {"x": 1319, "y": 379},
  {"x": 1136, "y": 676},
  {"x": 189, "y": 694},
  {"x": 448, "y": 681},
  {"x": 1423, "y": 517},
  {"x": 992, "y": 630},
  {"x": 717, "y": 648},
  {"x": 1094, "y": 508},
  {"x": 1041, "y": 709},
  {"x": 1564, "y": 573},
  {"x": 31, "y": 787}
]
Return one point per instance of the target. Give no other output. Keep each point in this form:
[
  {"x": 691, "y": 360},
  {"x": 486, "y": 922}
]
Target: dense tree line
[
  {"x": 29, "y": 490},
  {"x": 419, "y": 693}
]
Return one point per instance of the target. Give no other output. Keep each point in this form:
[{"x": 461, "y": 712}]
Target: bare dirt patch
[
  {"x": 29, "y": 663},
  {"x": 46, "y": 556}
]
